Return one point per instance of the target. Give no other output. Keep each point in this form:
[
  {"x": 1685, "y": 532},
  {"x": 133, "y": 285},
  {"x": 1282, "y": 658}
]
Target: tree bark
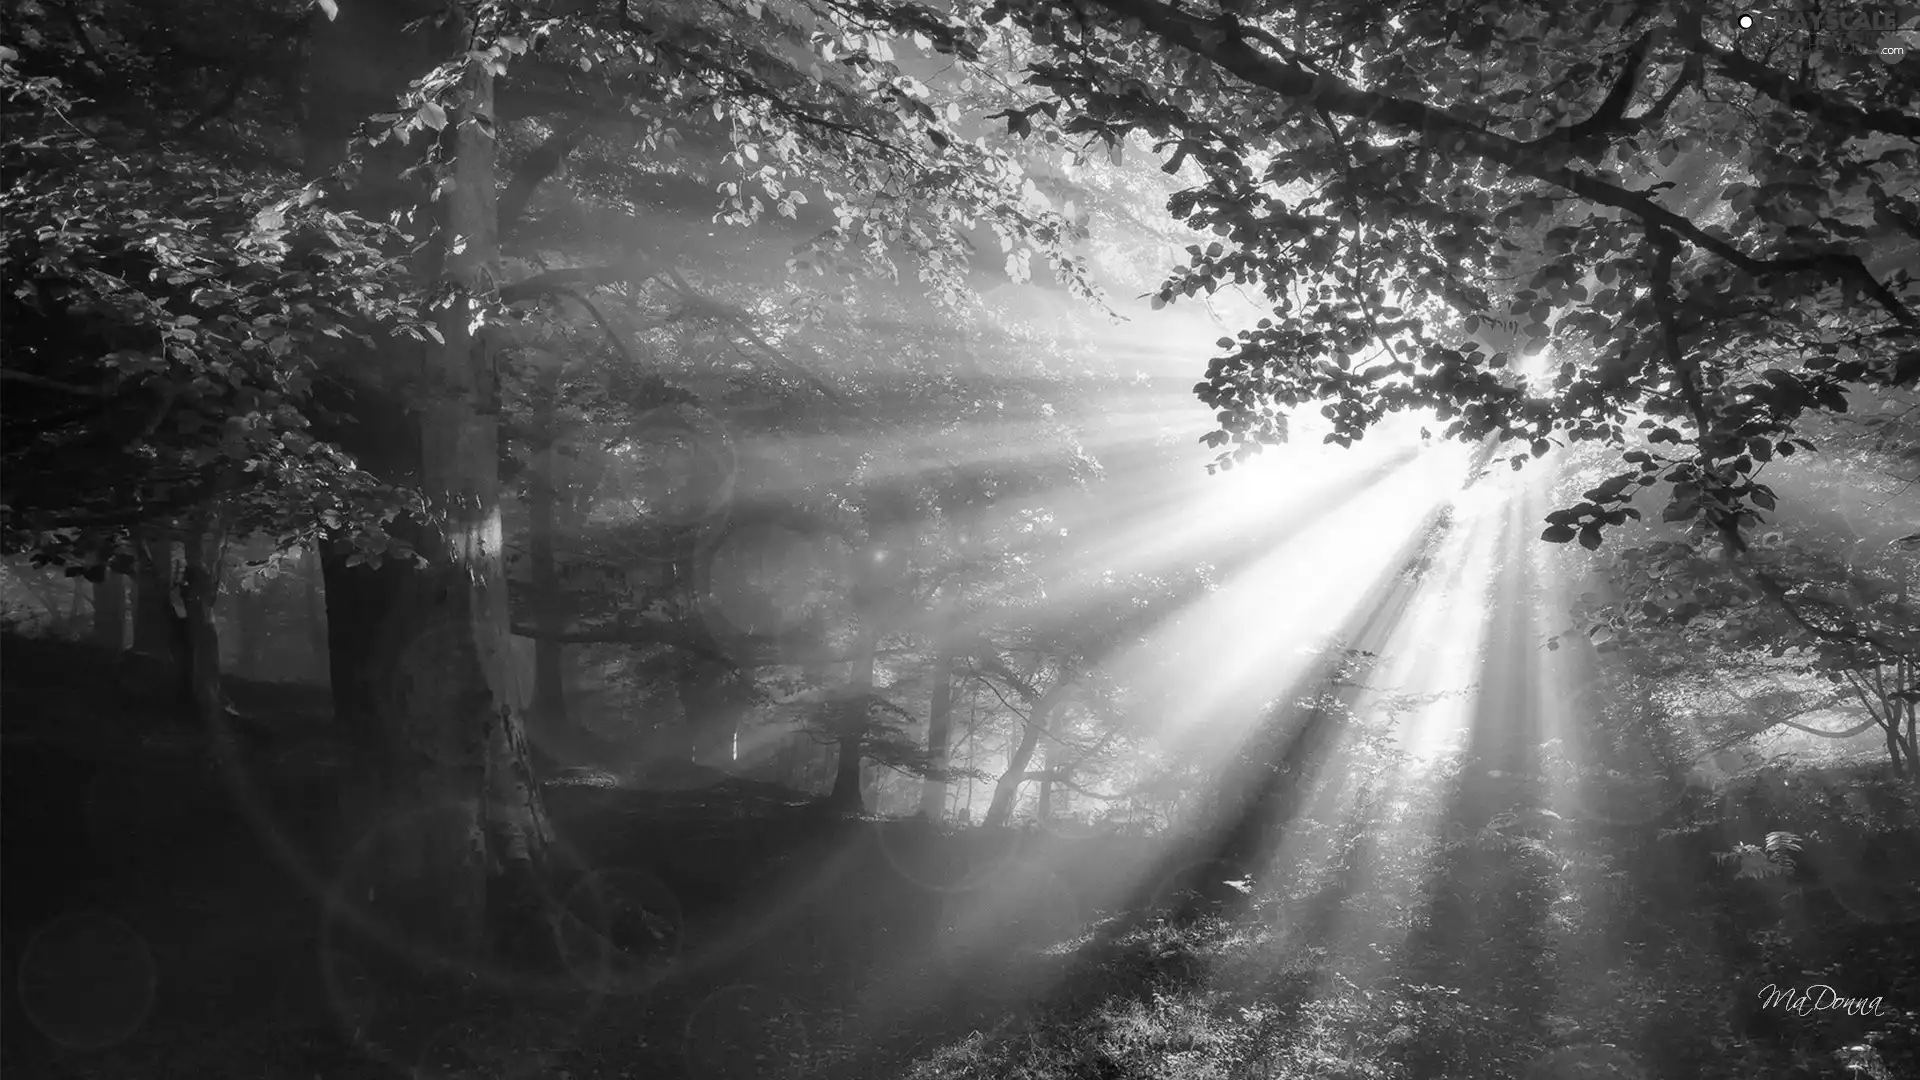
[
  {"x": 1043, "y": 809},
  {"x": 71, "y": 621},
  {"x": 933, "y": 791},
  {"x": 153, "y": 596},
  {"x": 110, "y": 612},
  {"x": 312, "y": 576},
  {"x": 452, "y": 833},
  {"x": 200, "y": 576},
  {"x": 552, "y": 729},
  {"x": 846, "y": 796},
  {"x": 162, "y": 630},
  {"x": 1007, "y": 789},
  {"x": 250, "y": 615}
]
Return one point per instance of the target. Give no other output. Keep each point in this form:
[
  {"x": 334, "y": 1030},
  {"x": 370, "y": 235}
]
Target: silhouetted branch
[
  {"x": 1446, "y": 132},
  {"x": 539, "y": 165},
  {"x": 55, "y": 385},
  {"x": 1796, "y": 95}
]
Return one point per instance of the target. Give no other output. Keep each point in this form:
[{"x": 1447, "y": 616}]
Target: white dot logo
[{"x": 1746, "y": 22}]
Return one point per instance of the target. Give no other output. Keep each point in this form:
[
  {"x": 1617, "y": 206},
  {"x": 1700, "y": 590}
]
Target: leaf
[
  {"x": 1590, "y": 538},
  {"x": 1558, "y": 534},
  {"x": 432, "y": 115},
  {"x": 331, "y": 7}
]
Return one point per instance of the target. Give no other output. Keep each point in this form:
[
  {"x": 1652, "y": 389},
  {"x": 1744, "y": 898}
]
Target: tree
[
  {"x": 418, "y": 651},
  {"x": 1371, "y": 170},
  {"x": 110, "y": 612},
  {"x": 163, "y": 300},
  {"x": 1821, "y": 637}
]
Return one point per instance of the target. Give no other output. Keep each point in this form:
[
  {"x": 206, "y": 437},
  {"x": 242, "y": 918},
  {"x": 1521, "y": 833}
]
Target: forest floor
[{"x": 764, "y": 940}]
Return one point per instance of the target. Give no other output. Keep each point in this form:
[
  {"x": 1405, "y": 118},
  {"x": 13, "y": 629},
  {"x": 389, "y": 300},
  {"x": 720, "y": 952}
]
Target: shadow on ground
[{"x": 151, "y": 930}]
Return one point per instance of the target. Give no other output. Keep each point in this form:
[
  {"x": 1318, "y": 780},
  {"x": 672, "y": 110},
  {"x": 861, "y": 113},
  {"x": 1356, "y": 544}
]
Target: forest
[{"x": 960, "y": 539}]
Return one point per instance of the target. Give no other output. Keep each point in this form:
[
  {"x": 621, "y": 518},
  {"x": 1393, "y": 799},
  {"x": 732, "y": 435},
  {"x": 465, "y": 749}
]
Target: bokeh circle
[
  {"x": 745, "y": 1032},
  {"x": 87, "y": 981},
  {"x": 621, "y": 931},
  {"x": 766, "y": 579},
  {"x": 679, "y": 463}
]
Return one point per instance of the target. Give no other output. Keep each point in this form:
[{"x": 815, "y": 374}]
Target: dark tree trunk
[
  {"x": 200, "y": 575},
  {"x": 846, "y": 796},
  {"x": 153, "y": 596},
  {"x": 162, "y": 632},
  {"x": 933, "y": 791},
  {"x": 250, "y": 615},
  {"x": 452, "y": 836},
  {"x": 312, "y": 576},
  {"x": 110, "y": 612}
]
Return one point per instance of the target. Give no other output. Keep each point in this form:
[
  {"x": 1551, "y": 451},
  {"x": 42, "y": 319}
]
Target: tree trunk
[
  {"x": 549, "y": 708},
  {"x": 933, "y": 791},
  {"x": 77, "y": 595},
  {"x": 250, "y": 615},
  {"x": 452, "y": 832},
  {"x": 162, "y": 631},
  {"x": 110, "y": 612},
  {"x": 311, "y": 576},
  {"x": 200, "y": 577},
  {"x": 846, "y": 796},
  {"x": 1007, "y": 789},
  {"x": 153, "y": 596},
  {"x": 552, "y": 729}
]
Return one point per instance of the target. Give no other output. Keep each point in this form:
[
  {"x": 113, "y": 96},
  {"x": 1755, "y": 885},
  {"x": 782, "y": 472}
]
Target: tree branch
[
  {"x": 565, "y": 279},
  {"x": 539, "y": 165},
  {"x": 995, "y": 690},
  {"x": 673, "y": 634},
  {"x": 744, "y": 83},
  {"x": 1449, "y": 133},
  {"x": 1778, "y": 593},
  {"x": 1610, "y": 118},
  {"x": 43, "y": 383},
  {"x": 1797, "y": 95}
]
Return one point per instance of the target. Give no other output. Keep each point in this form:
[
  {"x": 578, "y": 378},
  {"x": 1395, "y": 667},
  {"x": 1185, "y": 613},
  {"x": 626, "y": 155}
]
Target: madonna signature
[{"x": 1817, "y": 998}]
